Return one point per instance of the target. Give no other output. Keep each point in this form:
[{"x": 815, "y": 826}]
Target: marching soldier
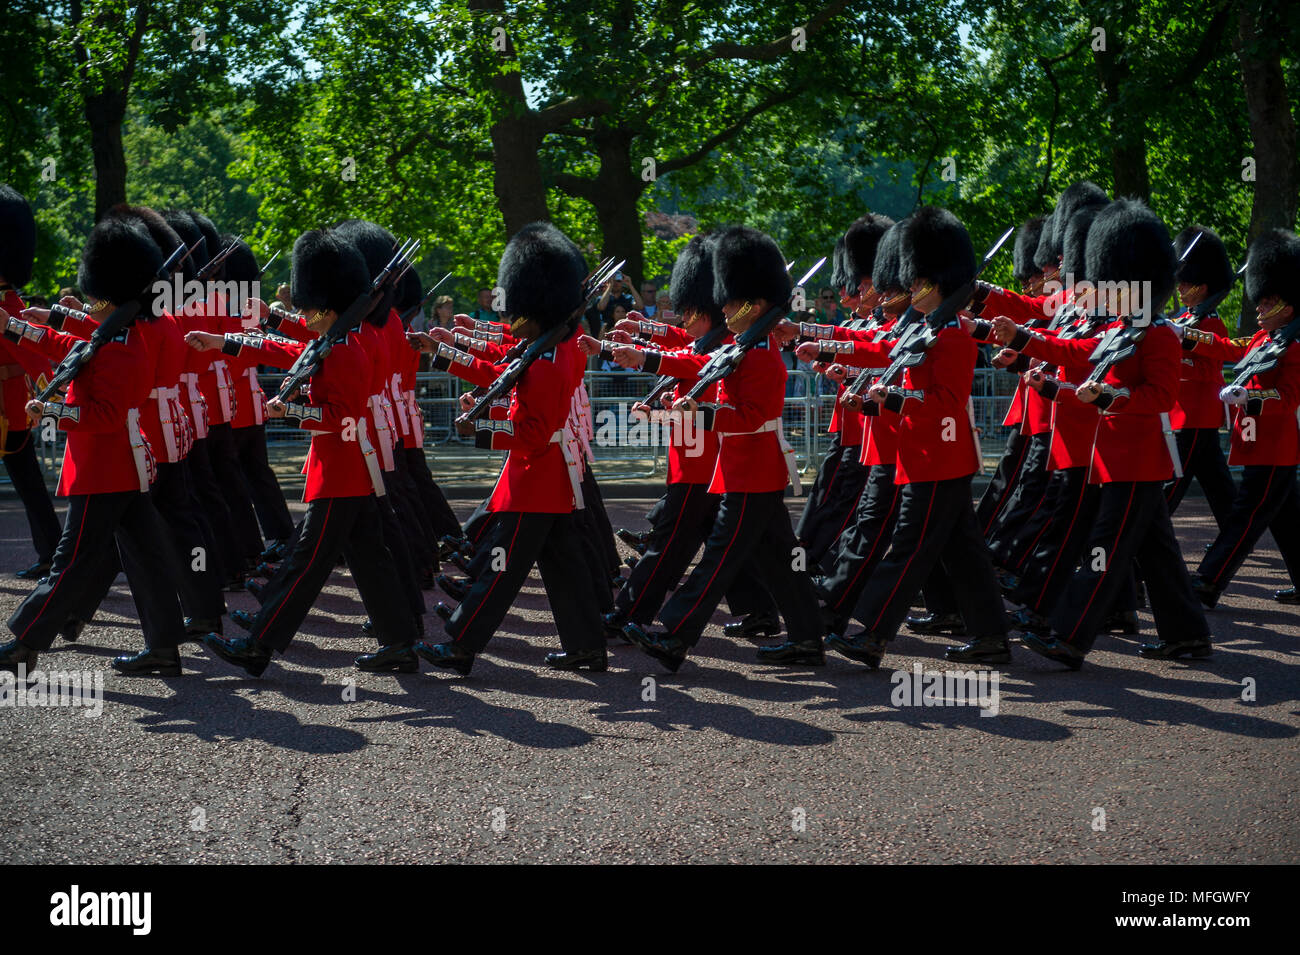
[
  {"x": 330, "y": 278},
  {"x": 1204, "y": 276},
  {"x": 107, "y": 465},
  {"x": 1265, "y": 438},
  {"x": 1132, "y": 384},
  {"x": 752, "y": 472},
  {"x": 531, "y": 510},
  {"x": 935, "y": 460},
  {"x": 19, "y": 367}
]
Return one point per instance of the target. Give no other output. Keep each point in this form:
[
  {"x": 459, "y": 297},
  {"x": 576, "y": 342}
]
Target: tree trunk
[
  {"x": 105, "y": 113},
  {"x": 1273, "y": 131},
  {"x": 1128, "y": 128},
  {"x": 517, "y": 172},
  {"x": 618, "y": 190}
]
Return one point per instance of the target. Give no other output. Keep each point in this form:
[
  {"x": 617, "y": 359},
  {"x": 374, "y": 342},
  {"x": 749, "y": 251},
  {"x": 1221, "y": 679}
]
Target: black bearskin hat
[
  {"x": 163, "y": 235},
  {"x": 861, "y": 242},
  {"x": 17, "y": 237},
  {"x": 1128, "y": 243},
  {"x": 840, "y": 269},
  {"x": 1273, "y": 267},
  {"x": 748, "y": 265},
  {"x": 211, "y": 238},
  {"x": 120, "y": 262},
  {"x": 692, "y": 282},
  {"x": 188, "y": 230},
  {"x": 1027, "y": 239},
  {"x": 376, "y": 245},
  {"x": 1074, "y": 242},
  {"x": 937, "y": 248},
  {"x": 886, "y": 274},
  {"x": 328, "y": 271},
  {"x": 1052, "y": 241},
  {"x": 241, "y": 265},
  {"x": 1207, "y": 264},
  {"x": 541, "y": 274},
  {"x": 408, "y": 292},
  {"x": 1048, "y": 253}
]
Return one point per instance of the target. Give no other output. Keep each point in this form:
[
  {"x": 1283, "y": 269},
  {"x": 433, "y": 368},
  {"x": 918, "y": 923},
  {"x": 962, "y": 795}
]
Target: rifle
[
  {"x": 916, "y": 337},
  {"x": 108, "y": 329},
  {"x": 414, "y": 310},
  {"x": 214, "y": 263},
  {"x": 703, "y": 345},
  {"x": 728, "y": 358},
  {"x": 309, "y": 361},
  {"x": 1266, "y": 356},
  {"x": 524, "y": 353}
]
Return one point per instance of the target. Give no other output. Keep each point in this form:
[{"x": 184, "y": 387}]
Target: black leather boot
[
  {"x": 597, "y": 661},
  {"x": 447, "y": 655},
  {"x": 165, "y": 661},
  {"x": 669, "y": 651},
  {"x": 753, "y": 626},
  {"x": 244, "y": 652},
  {"x": 981, "y": 650},
  {"x": 862, "y": 647},
  {"x": 394, "y": 658},
  {"x": 808, "y": 653},
  {"x": 936, "y": 623}
]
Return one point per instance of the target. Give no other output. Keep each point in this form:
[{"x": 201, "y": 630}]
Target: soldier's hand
[
  {"x": 641, "y": 409},
  {"x": 256, "y": 308},
  {"x": 1088, "y": 392},
  {"x": 1233, "y": 395},
  {"x": 628, "y": 357},
  {"x": 634, "y": 315},
  {"x": 1034, "y": 379},
  {"x": 275, "y": 408},
  {"x": 967, "y": 323},
  {"x": 466, "y": 401},
  {"x": 1004, "y": 329},
  {"x": 785, "y": 331},
  {"x": 622, "y": 338},
  {"x": 71, "y": 301},
  {"x": 203, "y": 341},
  {"x": 35, "y": 411},
  {"x": 666, "y": 401},
  {"x": 851, "y": 401},
  {"x": 38, "y": 316},
  {"x": 627, "y": 325},
  {"x": 588, "y": 345},
  {"x": 807, "y": 351},
  {"x": 686, "y": 405},
  {"x": 444, "y": 335},
  {"x": 462, "y": 321},
  {"x": 422, "y": 342},
  {"x": 837, "y": 373},
  {"x": 878, "y": 393},
  {"x": 1004, "y": 358}
]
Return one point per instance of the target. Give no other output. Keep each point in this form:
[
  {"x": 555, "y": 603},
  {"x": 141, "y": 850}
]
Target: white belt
[
  {"x": 791, "y": 466},
  {"x": 416, "y": 416},
  {"x": 225, "y": 389},
  {"x": 144, "y": 463},
  {"x": 371, "y": 459},
  {"x": 258, "y": 396},
  {"x": 197, "y": 404},
  {"x": 399, "y": 402},
  {"x": 572, "y": 465},
  {"x": 383, "y": 431},
  {"x": 169, "y": 417}
]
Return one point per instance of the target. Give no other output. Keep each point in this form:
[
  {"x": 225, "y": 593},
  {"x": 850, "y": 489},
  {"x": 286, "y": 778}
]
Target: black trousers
[
  {"x": 832, "y": 501},
  {"x": 25, "y": 474},
  {"x": 1056, "y": 552},
  {"x": 1027, "y": 497},
  {"x": 199, "y": 575},
  {"x": 551, "y": 541},
  {"x": 749, "y": 527},
  {"x": 1003, "y": 482},
  {"x": 477, "y": 524},
  {"x": 396, "y": 537},
  {"x": 215, "y": 511},
  {"x": 682, "y": 524},
  {"x": 1132, "y": 523},
  {"x": 441, "y": 516},
  {"x": 268, "y": 499},
  {"x": 351, "y": 526},
  {"x": 594, "y": 503},
  {"x": 1016, "y": 545},
  {"x": 97, "y": 526},
  {"x": 1267, "y": 499},
  {"x": 412, "y": 523},
  {"x": 224, "y": 457},
  {"x": 863, "y": 546},
  {"x": 1203, "y": 459},
  {"x": 935, "y": 526}
]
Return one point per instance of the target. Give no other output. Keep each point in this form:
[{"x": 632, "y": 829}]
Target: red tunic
[
  {"x": 935, "y": 442},
  {"x": 748, "y": 398},
  {"x": 1198, "y": 404},
  {"x": 17, "y": 366},
  {"x": 1274, "y": 430},
  {"x": 1130, "y": 442}
]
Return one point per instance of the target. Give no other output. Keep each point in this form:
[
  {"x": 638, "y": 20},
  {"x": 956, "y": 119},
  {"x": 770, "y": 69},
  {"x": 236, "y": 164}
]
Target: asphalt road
[{"x": 1124, "y": 761}]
